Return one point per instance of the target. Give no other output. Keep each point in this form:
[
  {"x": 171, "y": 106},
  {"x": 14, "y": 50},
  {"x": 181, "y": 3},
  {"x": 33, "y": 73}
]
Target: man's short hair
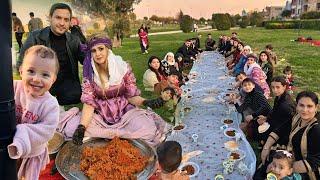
[
  {"x": 31, "y": 14},
  {"x": 60, "y": 6},
  {"x": 14, "y": 14}
]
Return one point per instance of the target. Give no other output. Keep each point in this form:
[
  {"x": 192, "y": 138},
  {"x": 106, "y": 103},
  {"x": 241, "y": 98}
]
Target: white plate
[
  {"x": 196, "y": 166},
  {"x": 240, "y": 152},
  {"x": 230, "y": 129}
]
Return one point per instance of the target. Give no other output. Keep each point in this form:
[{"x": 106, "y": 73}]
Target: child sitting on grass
[
  {"x": 287, "y": 71},
  {"x": 255, "y": 104},
  {"x": 169, "y": 159},
  {"x": 37, "y": 111},
  {"x": 272, "y": 54}
]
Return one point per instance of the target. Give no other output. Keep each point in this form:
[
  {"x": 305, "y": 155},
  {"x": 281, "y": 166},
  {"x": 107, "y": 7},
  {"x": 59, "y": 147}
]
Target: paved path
[{"x": 202, "y": 29}]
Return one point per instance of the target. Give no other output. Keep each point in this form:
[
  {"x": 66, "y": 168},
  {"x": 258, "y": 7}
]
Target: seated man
[{"x": 210, "y": 43}]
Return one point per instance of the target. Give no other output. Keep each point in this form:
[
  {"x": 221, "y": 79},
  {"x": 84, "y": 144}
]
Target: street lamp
[{"x": 8, "y": 169}]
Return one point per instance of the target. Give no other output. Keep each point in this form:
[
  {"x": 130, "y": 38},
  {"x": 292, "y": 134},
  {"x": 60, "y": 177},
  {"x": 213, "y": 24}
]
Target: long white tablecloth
[{"x": 205, "y": 119}]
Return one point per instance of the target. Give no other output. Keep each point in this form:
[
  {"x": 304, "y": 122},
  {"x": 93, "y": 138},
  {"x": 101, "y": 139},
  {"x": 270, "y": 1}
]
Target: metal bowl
[
  {"x": 68, "y": 158},
  {"x": 55, "y": 144}
]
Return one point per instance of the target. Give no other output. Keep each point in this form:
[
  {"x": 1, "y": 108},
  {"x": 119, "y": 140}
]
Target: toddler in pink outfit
[{"x": 37, "y": 111}]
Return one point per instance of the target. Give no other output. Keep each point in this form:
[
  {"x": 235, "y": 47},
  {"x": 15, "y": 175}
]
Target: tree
[
  {"x": 236, "y": 19},
  {"x": 244, "y": 22},
  {"x": 256, "y": 19},
  {"x": 179, "y": 16},
  {"x": 231, "y": 20},
  {"x": 202, "y": 20},
  {"x": 154, "y": 18},
  {"x": 186, "y": 23},
  {"x": 286, "y": 13},
  {"x": 117, "y": 12},
  {"x": 221, "y": 21}
]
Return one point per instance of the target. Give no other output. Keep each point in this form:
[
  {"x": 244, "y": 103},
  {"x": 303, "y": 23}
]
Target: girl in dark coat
[{"x": 266, "y": 65}]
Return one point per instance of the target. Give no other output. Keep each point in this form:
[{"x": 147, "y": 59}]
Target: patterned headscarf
[{"x": 86, "y": 48}]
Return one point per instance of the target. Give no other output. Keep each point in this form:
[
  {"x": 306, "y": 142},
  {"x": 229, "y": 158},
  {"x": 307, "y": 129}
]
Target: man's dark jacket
[{"x": 42, "y": 37}]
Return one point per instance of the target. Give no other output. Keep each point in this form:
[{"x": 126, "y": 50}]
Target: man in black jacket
[
  {"x": 210, "y": 43},
  {"x": 67, "y": 87},
  {"x": 187, "y": 52}
]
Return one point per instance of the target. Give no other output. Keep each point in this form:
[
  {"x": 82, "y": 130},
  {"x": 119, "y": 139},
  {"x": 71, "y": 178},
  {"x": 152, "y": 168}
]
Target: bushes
[
  {"x": 186, "y": 23},
  {"x": 310, "y": 15},
  {"x": 281, "y": 25},
  {"x": 303, "y": 24},
  {"x": 221, "y": 21}
]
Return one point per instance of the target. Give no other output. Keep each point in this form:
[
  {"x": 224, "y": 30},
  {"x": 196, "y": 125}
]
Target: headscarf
[{"x": 166, "y": 56}]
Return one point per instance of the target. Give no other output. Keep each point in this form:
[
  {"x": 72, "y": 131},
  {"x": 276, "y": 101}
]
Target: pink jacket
[{"x": 37, "y": 120}]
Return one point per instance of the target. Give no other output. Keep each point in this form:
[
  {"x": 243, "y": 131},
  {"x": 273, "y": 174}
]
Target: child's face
[
  {"x": 173, "y": 79},
  {"x": 179, "y": 58},
  {"x": 241, "y": 77},
  {"x": 277, "y": 88},
  {"x": 37, "y": 74},
  {"x": 287, "y": 74},
  {"x": 166, "y": 95},
  {"x": 250, "y": 61},
  {"x": 248, "y": 87},
  {"x": 263, "y": 57},
  {"x": 281, "y": 168}
]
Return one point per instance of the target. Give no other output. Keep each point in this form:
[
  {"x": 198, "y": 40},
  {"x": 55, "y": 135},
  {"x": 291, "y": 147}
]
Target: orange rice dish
[{"x": 118, "y": 159}]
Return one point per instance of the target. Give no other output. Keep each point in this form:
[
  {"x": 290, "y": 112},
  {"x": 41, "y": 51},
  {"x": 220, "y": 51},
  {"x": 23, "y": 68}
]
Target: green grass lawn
[
  {"x": 158, "y": 28},
  {"x": 304, "y": 58}
]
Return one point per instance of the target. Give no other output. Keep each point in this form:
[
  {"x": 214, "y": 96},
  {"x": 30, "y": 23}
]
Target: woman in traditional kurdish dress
[{"x": 111, "y": 98}]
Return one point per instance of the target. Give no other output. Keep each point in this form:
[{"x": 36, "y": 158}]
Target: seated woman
[
  {"x": 169, "y": 63},
  {"x": 111, "y": 98},
  {"x": 153, "y": 75},
  {"x": 239, "y": 65},
  {"x": 254, "y": 71},
  {"x": 303, "y": 137},
  {"x": 266, "y": 65}
]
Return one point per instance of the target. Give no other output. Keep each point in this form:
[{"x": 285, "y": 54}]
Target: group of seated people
[
  {"x": 169, "y": 72},
  {"x": 287, "y": 132}
]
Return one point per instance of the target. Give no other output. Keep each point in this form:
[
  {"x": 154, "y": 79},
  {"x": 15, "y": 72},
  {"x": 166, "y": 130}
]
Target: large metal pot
[{"x": 68, "y": 158}]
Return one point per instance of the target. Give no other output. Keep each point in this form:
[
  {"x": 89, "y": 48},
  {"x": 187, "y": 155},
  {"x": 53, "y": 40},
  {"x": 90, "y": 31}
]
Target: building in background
[
  {"x": 272, "y": 12},
  {"x": 299, "y": 7}
]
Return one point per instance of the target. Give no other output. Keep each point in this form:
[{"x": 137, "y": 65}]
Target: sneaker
[{"x": 146, "y": 52}]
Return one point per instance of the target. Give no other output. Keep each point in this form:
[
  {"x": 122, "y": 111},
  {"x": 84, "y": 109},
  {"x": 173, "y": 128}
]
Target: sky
[
  {"x": 200, "y": 8},
  {"x": 194, "y": 8}
]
